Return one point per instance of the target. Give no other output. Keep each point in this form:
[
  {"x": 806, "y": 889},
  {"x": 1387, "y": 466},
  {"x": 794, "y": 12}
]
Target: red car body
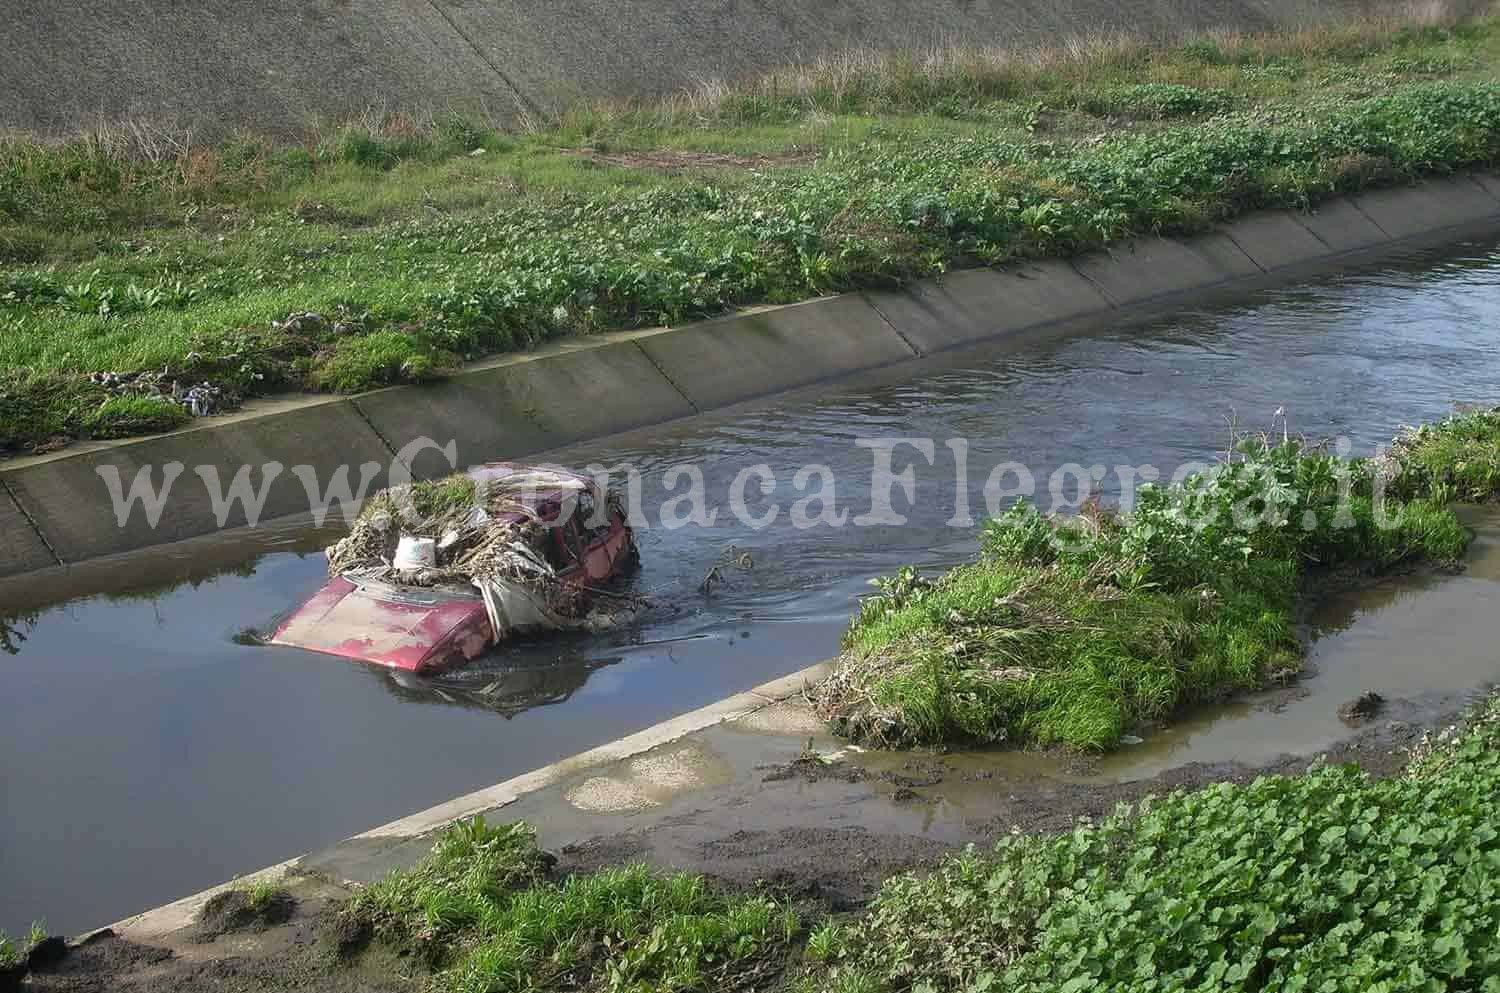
[{"x": 431, "y": 630}]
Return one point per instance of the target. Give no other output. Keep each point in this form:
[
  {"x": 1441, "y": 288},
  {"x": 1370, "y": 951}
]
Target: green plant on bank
[
  {"x": 1071, "y": 631},
  {"x": 11, "y": 954},
  {"x": 480, "y": 910},
  {"x": 1328, "y": 881},
  {"x": 127, "y": 255},
  {"x": 263, "y": 893},
  {"x": 1457, "y": 458}
]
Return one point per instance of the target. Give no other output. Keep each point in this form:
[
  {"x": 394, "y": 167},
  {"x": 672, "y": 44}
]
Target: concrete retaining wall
[
  {"x": 217, "y": 65},
  {"x": 58, "y": 508}
]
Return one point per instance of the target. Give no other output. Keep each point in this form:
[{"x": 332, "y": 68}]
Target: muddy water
[{"x": 145, "y": 753}]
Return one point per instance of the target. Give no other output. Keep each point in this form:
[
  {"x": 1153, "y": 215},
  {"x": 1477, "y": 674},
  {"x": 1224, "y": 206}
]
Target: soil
[
  {"x": 233, "y": 911},
  {"x": 825, "y": 867}
]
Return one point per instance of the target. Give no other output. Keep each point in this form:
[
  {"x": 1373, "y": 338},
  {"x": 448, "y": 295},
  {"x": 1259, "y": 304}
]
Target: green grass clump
[
  {"x": 481, "y": 912},
  {"x": 1155, "y": 101},
  {"x": 1073, "y": 631},
  {"x": 262, "y": 894},
  {"x": 125, "y": 416},
  {"x": 11, "y": 954},
  {"x": 425, "y": 243},
  {"x": 1329, "y": 881},
  {"x": 1454, "y": 459},
  {"x": 429, "y": 498}
]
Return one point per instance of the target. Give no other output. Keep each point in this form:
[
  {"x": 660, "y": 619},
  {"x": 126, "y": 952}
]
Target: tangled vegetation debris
[
  {"x": 1072, "y": 631},
  {"x": 497, "y": 534},
  {"x": 385, "y": 252}
]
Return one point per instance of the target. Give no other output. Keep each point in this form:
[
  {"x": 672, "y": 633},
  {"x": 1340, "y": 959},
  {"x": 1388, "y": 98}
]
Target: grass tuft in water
[{"x": 1073, "y": 631}]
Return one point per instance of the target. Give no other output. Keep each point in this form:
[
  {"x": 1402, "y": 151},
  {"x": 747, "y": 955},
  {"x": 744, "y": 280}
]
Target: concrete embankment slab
[
  {"x": 1275, "y": 239},
  {"x": 1152, "y": 267},
  {"x": 1342, "y": 226},
  {"x": 1414, "y": 210},
  {"x": 524, "y": 405},
  {"x": 21, "y": 546},
  {"x": 69, "y": 496},
  {"x": 965, "y": 307},
  {"x": 721, "y": 362}
]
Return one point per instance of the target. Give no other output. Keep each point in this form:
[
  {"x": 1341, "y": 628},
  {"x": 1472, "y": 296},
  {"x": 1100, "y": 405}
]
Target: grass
[
  {"x": 1456, "y": 459},
  {"x": 481, "y": 912},
  {"x": 392, "y": 249},
  {"x": 1330, "y": 881},
  {"x": 263, "y": 893},
  {"x": 1071, "y": 632}
]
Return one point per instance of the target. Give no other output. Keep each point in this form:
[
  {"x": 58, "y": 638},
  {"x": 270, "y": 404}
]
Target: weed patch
[
  {"x": 480, "y": 911},
  {"x": 1072, "y": 631},
  {"x": 1331, "y": 880}
]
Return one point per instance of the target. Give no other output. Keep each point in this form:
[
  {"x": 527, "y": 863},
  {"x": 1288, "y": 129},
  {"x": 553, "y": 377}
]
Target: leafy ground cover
[
  {"x": 481, "y": 913},
  {"x": 1329, "y": 881},
  {"x": 134, "y": 264},
  {"x": 1071, "y": 631}
]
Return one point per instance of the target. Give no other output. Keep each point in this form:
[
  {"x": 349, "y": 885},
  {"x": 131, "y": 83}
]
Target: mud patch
[
  {"x": 810, "y": 767},
  {"x": 243, "y": 910}
]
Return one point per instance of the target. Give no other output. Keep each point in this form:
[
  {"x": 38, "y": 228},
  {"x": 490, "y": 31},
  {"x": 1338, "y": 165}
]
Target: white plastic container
[{"x": 415, "y": 553}]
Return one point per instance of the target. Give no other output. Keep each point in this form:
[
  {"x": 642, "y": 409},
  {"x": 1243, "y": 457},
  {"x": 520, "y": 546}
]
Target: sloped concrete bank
[
  {"x": 286, "y": 457},
  {"x": 214, "y": 66}
]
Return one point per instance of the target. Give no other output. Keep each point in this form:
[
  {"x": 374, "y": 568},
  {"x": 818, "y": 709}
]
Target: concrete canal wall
[
  {"x": 214, "y": 66},
  {"x": 57, "y": 508}
]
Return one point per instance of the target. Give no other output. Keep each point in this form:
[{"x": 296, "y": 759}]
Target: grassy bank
[
  {"x": 1073, "y": 631},
  {"x": 1330, "y": 880},
  {"x": 393, "y": 249}
]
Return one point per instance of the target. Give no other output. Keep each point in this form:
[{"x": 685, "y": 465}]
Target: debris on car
[{"x": 434, "y": 574}]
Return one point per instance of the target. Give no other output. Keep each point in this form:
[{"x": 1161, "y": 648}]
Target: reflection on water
[
  {"x": 146, "y": 754},
  {"x": 500, "y": 689}
]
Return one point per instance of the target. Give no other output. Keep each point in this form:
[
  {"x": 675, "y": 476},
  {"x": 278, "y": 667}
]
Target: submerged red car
[{"x": 429, "y": 629}]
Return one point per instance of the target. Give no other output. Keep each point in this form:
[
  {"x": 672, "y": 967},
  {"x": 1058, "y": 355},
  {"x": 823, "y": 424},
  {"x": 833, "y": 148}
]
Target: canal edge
[{"x": 159, "y": 921}]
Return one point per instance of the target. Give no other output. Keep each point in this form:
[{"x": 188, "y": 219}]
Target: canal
[{"x": 148, "y": 750}]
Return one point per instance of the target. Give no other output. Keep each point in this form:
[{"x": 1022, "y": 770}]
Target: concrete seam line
[
  {"x": 1296, "y": 216},
  {"x": 521, "y": 98},
  {"x": 1474, "y": 180},
  {"x": 1228, "y": 232},
  {"x": 1354, "y": 202},
  {"x": 670, "y": 382},
  {"x": 354, "y": 402},
  {"x": 891, "y": 324},
  {"x": 1104, "y": 295},
  {"x": 21, "y": 507}
]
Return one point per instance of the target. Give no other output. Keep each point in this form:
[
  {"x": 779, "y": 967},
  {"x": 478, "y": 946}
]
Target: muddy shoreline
[{"x": 827, "y": 868}]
